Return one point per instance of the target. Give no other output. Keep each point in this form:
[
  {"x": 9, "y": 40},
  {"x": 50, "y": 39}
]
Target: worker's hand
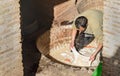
[
  {"x": 92, "y": 57},
  {"x": 72, "y": 44}
]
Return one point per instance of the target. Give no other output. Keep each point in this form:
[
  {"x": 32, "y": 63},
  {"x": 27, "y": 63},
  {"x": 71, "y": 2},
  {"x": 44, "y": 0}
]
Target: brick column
[
  {"x": 10, "y": 37},
  {"x": 111, "y": 30}
]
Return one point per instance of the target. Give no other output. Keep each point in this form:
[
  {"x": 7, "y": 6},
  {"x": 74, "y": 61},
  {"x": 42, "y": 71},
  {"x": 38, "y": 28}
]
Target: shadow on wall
[
  {"x": 36, "y": 18},
  {"x": 111, "y": 66}
]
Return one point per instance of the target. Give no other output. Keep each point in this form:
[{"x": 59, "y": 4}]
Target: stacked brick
[
  {"x": 111, "y": 31},
  {"x": 10, "y": 37},
  {"x": 64, "y": 12}
]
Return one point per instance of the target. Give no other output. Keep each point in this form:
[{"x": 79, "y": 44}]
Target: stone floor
[{"x": 50, "y": 68}]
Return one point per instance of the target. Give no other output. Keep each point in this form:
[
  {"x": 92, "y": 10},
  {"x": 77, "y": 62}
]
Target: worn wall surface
[
  {"x": 111, "y": 31},
  {"x": 65, "y": 11},
  {"x": 10, "y": 47}
]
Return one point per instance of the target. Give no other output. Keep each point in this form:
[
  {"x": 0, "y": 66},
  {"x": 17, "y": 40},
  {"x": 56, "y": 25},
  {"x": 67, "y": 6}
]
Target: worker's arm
[
  {"x": 93, "y": 56},
  {"x": 99, "y": 38},
  {"x": 74, "y": 31}
]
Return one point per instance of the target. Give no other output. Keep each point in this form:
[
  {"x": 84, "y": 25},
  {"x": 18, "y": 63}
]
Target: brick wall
[
  {"x": 10, "y": 47},
  {"x": 111, "y": 30},
  {"x": 68, "y": 10},
  {"x": 64, "y": 12}
]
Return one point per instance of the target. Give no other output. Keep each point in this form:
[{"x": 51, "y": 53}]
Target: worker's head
[{"x": 81, "y": 23}]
